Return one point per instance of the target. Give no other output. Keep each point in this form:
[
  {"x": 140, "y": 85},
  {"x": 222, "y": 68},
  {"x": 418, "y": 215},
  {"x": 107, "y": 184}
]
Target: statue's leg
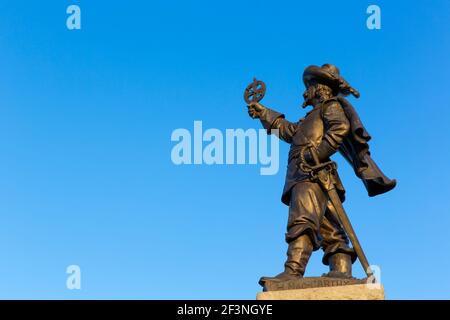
[
  {"x": 306, "y": 210},
  {"x": 308, "y": 204},
  {"x": 337, "y": 253}
]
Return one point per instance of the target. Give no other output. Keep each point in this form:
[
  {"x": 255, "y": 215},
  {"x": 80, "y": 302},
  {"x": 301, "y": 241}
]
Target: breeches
[{"x": 311, "y": 213}]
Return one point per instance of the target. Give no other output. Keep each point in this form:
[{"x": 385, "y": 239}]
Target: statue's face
[{"x": 309, "y": 96}]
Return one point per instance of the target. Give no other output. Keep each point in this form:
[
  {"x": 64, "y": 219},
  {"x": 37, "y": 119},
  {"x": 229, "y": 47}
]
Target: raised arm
[{"x": 271, "y": 120}]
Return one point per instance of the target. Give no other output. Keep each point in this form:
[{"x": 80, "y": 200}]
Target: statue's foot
[
  {"x": 284, "y": 276},
  {"x": 337, "y": 274}
]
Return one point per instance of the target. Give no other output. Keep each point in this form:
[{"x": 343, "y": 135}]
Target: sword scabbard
[{"x": 323, "y": 174}]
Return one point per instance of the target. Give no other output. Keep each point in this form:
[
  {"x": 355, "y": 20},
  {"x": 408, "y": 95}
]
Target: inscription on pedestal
[{"x": 312, "y": 282}]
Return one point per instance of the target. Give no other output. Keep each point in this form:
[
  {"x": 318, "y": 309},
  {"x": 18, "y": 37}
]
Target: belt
[{"x": 295, "y": 152}]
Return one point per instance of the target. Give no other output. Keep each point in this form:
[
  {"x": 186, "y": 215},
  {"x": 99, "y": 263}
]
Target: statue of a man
[{"x": 332, "y": 125}]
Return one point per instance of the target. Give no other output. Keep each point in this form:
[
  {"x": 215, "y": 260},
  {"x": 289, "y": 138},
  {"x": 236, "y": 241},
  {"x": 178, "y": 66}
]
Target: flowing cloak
[{"x": 355, "y": 149}]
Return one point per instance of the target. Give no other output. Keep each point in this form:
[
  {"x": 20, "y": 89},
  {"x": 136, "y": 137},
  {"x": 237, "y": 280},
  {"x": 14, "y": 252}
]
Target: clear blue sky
[{"x": 86, "y": 117}]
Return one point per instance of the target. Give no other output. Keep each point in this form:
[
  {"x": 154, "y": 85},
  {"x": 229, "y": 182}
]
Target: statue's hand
[{"x": 255, "y": 109}]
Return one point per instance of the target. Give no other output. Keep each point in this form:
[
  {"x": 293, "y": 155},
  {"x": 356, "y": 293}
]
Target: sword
[{"x": 322, "y": 173}]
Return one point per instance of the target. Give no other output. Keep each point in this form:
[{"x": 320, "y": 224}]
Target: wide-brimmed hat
[{"x": 328, "y": 74}]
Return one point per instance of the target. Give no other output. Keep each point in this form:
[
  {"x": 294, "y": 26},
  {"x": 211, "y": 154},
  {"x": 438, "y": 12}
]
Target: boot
[
  {"x": 298, "y": 254},
  {"x": 340, "y": 266}
]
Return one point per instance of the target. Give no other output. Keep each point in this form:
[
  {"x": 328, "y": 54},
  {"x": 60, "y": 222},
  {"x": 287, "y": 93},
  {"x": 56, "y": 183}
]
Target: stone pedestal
[{"x": 345, "y": 292}]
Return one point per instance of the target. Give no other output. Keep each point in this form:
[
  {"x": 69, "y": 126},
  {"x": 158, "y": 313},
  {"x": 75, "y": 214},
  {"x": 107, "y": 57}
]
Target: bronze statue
[{"x": 313, "y": 190}]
